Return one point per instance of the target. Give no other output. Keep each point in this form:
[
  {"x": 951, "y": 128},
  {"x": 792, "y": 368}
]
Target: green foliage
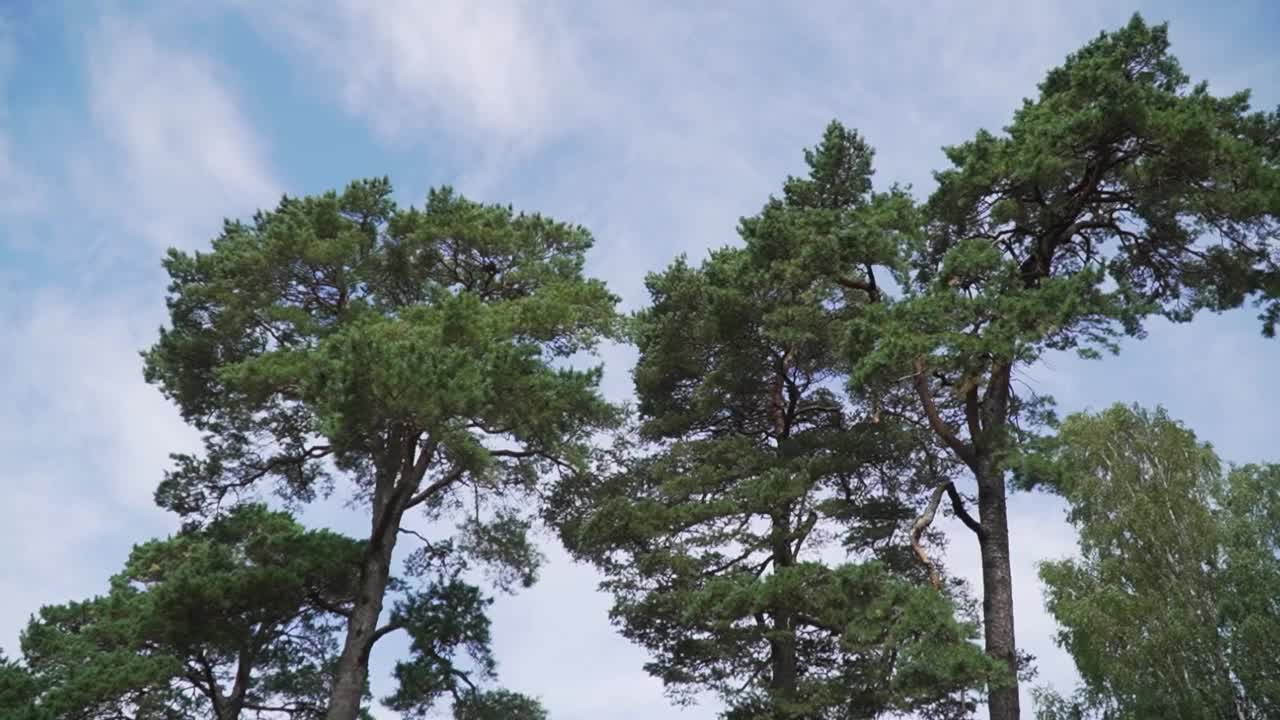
[
  {"x": 445, "y": 618},
  {"x": 19, "y": 691},
  {"x": 334, "y": 326},
  {"x": 422, "y": 354},
  {"x": 1120, "y": 192},
  {"x": 714, "y": 518},
  {"x": 498, "y": 705},
  {"x": 1171, "y": 610},
  {"x": 227, "y": 619}
]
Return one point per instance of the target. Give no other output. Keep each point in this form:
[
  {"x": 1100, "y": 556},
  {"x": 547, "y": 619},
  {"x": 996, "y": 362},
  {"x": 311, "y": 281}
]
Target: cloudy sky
[{"x": 129, "y": 127}]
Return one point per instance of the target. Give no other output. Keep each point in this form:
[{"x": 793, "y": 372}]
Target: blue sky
[{"x": 128, "y": 127}]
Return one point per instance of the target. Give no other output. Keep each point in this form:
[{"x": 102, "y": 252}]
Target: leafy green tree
[
  {"x": 1120, "y": 192},
  {"x": 1173, "y": 608},
  {"x": 716, "y": 521},
  {"x": 239, "y": 617},
  {"x": 419, "y": 354}
]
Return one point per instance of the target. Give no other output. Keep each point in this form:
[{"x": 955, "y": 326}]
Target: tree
[
  {"x": 235, "y": 618},
  {"x": 498, "y": 705},
  {"x": 19, "y": 691},
  {"x": 716, "y": 521},
  {"x": 1173, "y": 608},
  {"x": 420, "y": 354},
  {"x": 1119, "y": 193},
  {"x": 242, "y": 618}
]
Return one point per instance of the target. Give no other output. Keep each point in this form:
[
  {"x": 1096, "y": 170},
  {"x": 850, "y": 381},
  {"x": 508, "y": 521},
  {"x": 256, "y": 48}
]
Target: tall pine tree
[
  {"x": 1121, "y": 192},
  {"x": 756, "y": 530},
  {"x": 419, "y": 354}
]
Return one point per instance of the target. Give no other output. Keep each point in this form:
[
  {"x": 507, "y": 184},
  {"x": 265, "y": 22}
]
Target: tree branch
[
  {"x": 449, "y": 478},
  {"x": 215, "y": 691},
  {"x": 866, "y": 286},
  {"x": 315, "y": 599},
  {"x": 920, "y": 525},
  {"x": 416, "y": 534},
  {"x": 957, "y": 507},
  {"x": 385, "y": 630},
  {"x": 962, "y": 450}
]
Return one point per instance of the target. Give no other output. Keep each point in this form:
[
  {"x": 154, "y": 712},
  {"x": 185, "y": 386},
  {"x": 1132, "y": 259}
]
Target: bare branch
[
  {"x": 920, "y": 525},
  {"x": 957, "y": 507},
  {"x": 385, "y": 630},
  {"x": 867, "y": 286},
  {"x": 962, "y": 450},
  {"x": 429, "y": 491},
  {"x": 416, "y": 534}
]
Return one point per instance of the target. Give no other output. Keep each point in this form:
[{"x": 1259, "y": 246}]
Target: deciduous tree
[{"x": 1173, "y": 608}]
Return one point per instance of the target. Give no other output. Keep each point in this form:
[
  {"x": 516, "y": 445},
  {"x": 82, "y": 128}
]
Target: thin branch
[
  {"x": 295, "y": 708},
  {"x": 257, "y": 472},
  {"x": 816, "y": 623},
  {"x": 215, "y": 691},
  {"x": 716, "y": 570},
  {"x": 450, "y": 478},
  {"x": 957, "y": 507},
  {"x": 520, "y": 454},
  {"x": 416, "y": 534}
]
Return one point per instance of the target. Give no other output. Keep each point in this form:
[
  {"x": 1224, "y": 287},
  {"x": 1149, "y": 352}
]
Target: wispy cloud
[
  {"x": 504, "y": 70},
  {"x": 183, "y": 153},
  {"x": 166, "y": 154},
  {"x": 85, "y": 442}
]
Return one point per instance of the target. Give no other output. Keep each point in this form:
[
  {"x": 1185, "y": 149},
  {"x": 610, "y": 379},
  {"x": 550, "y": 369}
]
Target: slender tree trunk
[
  {"x": 353, "y": 665},
  {"x": 784, "y": 669},
  {"x": 997, "y": 589}
]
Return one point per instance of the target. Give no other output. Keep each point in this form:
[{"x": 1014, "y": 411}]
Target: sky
[{"x": 130, "y": 127}]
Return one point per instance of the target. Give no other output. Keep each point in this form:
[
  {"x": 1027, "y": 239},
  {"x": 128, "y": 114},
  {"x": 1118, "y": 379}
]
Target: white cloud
[
  {"x": 184, "y": 154},
  {"x": 166, "y": 155},
  {"x": 506, "y": 70},
  {"x": 85, "y": 441}
]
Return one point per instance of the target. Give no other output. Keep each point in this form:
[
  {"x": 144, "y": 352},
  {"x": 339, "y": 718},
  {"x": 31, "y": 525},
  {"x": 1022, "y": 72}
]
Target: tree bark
[
  {"x": 784, "y": 670},
  {"x": 997, "y": 589},
  {"x": 986, "y": 417},
  {"x": 353, "y": 665}
]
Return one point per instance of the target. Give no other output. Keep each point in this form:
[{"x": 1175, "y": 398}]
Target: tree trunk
[
  {"x": 997, "y": 589},
  {"x": 784, "y": 669},
  {"x": 353, "y": 665}
]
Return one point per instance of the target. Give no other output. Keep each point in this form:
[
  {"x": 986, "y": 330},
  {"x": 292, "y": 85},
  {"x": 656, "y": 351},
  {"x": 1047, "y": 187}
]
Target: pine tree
[
  {"x": 755, "y": 528},
  {"x": 418, "y": 354}
]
